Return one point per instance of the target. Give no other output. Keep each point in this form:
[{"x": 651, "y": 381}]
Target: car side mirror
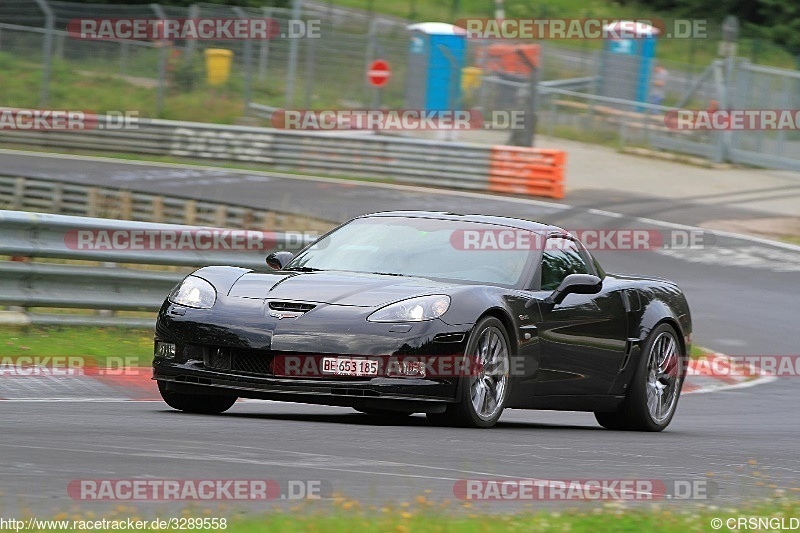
[
  {"x": 278, "y": 260},
  {"x": 575, "y": 284}
]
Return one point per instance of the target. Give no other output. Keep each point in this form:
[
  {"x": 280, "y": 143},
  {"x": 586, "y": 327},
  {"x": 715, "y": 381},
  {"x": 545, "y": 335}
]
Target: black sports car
[{"x": 455, "y": 316}]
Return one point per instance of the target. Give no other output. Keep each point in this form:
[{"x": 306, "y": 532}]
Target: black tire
[
  {"x": 463, "y": 412},
  {"x": 205, "y": 404},
  {"x": 635, "y": 414}
]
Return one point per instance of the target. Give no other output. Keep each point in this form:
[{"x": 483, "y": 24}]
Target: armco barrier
[
  {"x": 59, "y": 198},
  {"x": 404, "y": 160},
  {"x": 527, "y": 171},
  {"x": 107, "y": 286}
]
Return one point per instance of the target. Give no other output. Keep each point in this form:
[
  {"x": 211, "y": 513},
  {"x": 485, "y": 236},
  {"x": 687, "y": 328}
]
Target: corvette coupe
[{"x": 455, "y": 316}]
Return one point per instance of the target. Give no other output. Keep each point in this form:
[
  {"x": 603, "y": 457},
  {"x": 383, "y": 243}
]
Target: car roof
[{"x": 518, "y": 223}]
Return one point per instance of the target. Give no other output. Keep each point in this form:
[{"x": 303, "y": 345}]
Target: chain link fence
[
  {"x": 42, "y": 64},
  {"x": 323, "y": 70}
]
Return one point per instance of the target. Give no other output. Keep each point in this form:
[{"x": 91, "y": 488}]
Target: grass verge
[
  {"x": 698, "y": 351},
  {"x": 610, "y": 516},
  {"x": 100, "y": 344}
]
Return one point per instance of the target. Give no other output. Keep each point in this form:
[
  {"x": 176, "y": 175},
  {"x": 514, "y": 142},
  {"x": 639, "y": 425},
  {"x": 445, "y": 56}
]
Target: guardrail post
[
  {"x": 92, "y": 201},
  {"x": 158, "y": 209},
  {"x": 19, "y": 194},
  {"x": 269, "y": 220},
  {"x": 221, "y": 216},
  {"x": 190, "y": 212},
  {"x": 58, "y": 197},
  {"x": 126, "y": 205}
]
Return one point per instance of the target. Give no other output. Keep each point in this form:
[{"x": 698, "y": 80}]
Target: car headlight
[
  {"x": 194, "y": 292},
  {"x": 413, "y": 310}
]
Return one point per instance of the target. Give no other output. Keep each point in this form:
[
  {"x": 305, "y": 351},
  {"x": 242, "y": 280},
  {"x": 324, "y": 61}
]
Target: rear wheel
[
  {"x": 196, "y": 403},
  {"x": 483, "y": 392},
  {"x": 655, "y": 388}
]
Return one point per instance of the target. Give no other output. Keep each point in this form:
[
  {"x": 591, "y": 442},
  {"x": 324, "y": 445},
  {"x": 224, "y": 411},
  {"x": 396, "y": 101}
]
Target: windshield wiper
[{"x": 388, "y": 274}]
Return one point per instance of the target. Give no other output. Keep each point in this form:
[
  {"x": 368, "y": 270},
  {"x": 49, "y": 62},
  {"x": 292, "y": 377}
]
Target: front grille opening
[
  {"x": 297, "y": 307},
  {"x": 239, "y": 360}
]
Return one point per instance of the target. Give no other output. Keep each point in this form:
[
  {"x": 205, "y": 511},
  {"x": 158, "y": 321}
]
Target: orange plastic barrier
[
  {"x": 501, "y": 57},
  {"x": 531, "y": 171}
]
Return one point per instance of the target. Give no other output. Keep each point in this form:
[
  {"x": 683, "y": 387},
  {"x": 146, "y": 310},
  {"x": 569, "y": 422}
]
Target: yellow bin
[
  {"x": 470, "y": 78},
  {"x": 218, "y": 65}
]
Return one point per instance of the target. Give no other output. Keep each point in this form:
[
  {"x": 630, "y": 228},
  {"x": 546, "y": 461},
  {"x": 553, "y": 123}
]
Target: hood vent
[
  {"x": 281, "y": 310},
  {"x": 296, "y": 307}
]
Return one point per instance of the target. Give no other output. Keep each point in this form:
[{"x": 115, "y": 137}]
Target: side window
[{"x": 561, "y": 258}]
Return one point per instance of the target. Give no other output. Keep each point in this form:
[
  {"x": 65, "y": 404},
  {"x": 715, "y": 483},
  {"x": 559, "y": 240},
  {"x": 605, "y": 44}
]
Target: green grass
[
  {"x": 72, "y": 87},
  {"x": 425, "y": 516},
  {"x": 698, "y": 351},
  {"x": 609, "y": 517},
  {"x": 136, "y": 346}
]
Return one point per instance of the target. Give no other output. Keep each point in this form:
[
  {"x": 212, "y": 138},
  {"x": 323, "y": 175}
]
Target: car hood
[{"x": 340, "y": 288}]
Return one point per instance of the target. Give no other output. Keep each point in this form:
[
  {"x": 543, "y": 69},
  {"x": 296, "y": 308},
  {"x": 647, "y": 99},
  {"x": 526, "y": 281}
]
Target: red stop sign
[{"x": 379, "y": 73}]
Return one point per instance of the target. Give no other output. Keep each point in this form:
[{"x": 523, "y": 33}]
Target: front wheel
[
  {"x": 483, "y": 391},
  {"x": 655, "y": 388},
  {"x": 206, "y": 404}
]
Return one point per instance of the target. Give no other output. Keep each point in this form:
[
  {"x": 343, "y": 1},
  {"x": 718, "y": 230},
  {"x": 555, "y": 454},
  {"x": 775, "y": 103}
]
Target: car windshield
[{"x": 432, "y": 248}]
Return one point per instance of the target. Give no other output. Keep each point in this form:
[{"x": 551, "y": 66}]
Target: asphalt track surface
[{"x": 744, "y": 299}]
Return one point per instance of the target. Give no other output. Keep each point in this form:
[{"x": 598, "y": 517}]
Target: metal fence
[
  {"x": 758, "y": 87},
  {"x": 573, "y": 111},
  {"x": 324, "y": 71},
  {"x": 167, "y": 79},
  {"x": 81, "y": 283},
  {"x": 621, "y": 123}
]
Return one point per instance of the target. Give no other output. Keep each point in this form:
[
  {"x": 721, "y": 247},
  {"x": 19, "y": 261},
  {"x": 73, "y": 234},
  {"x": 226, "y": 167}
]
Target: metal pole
[
  {"x": 191, "y": 44},
  {"x": 263, "y": 51},
  {"x": 123, "y": 58},
  {"x": 311, "y": 58},
  {"x": 162, "y": 64},
  {"x": 248, "y": 65},
  {"x": 292, "y": 72},
  {"x": 47, "y": 51},
  {"x": 526, "y": 137},
  {"x": 369, "y": 54}
]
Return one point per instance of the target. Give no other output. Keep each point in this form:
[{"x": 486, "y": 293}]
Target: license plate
[{"x": 349, "y": 366}]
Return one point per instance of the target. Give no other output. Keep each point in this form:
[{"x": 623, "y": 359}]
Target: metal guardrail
[
  {"x": 28, "y": 236},
  {"x": 452, "y": 164},
  {"x": 570, "y": 84},
  {"x": 48, "y": 196}
]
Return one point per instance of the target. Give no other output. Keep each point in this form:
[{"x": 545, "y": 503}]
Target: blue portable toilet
[
  {"x": 436, "y": 56},
  {"x": 627, "y": 61}
]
